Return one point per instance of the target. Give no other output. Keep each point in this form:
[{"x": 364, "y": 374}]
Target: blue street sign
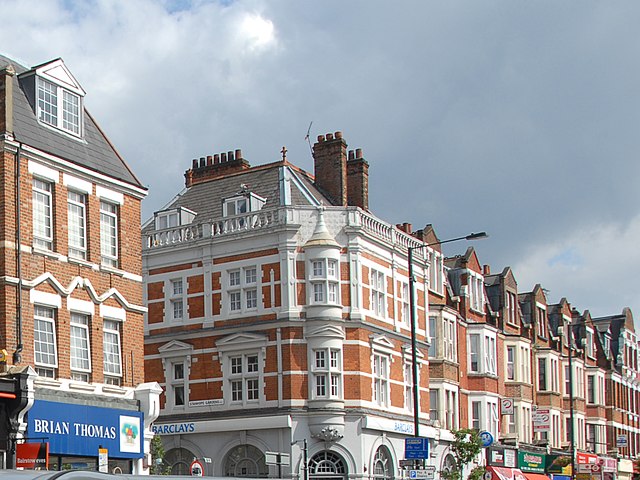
[
  {"x": 416, "y": 447},
  {"x": 486, "y": 438}
]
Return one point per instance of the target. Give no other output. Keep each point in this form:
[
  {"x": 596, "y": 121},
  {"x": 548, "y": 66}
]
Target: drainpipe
[{"x": 17, "y": 354}]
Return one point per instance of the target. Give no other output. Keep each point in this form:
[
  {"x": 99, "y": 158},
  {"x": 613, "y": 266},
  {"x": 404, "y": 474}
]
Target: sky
[{"x": 518, "y": 118}]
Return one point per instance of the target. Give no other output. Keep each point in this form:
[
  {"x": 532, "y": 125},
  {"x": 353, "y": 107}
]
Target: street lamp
[
  {"x": 412, "y": 306},
  {"x": 305, "y": 457}
]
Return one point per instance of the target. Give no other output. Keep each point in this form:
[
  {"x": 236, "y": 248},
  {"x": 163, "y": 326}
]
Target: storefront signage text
[{"x": 173, "y": 428}]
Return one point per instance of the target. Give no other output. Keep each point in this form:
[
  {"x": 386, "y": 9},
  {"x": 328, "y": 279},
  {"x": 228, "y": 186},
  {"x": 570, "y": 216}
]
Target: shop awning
[
  {"x": 504, "y": 473},
  {"x": 535, "y": 476}
]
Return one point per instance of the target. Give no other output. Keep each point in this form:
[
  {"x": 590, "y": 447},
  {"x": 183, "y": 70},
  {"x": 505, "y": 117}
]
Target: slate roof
[
  {"x": 206, "y": 199},
  {"x": 93, "y": 151}
]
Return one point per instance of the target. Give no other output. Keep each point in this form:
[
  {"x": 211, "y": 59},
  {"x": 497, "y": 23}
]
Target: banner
[
  {"x": 73, "y": 429},
  {"x": 32, "y": 456}
]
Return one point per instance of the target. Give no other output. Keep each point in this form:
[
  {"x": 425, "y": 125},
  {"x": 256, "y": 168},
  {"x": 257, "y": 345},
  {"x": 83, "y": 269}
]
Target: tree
[
  {"x": 465, "y": 448},
  {"x": 157, "y": 466}
]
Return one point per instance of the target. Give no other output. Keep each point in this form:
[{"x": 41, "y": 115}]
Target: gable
[{"x": 57, "y": 72}]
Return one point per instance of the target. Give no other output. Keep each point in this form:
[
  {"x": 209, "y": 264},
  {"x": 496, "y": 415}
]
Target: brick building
[
  {"x": 279, "y": 323},
  {"x": 71, "y": 321},
  {"x": 278, "y": 311}
]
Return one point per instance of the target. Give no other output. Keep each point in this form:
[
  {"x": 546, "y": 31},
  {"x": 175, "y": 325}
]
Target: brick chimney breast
[
  {"x": 358, "y": 180},
  {"x": 224, "y": 163},
  {"x": 330, "y": 167}
]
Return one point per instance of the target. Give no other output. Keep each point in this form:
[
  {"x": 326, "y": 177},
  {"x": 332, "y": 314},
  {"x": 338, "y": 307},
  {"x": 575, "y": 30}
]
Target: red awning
[
  {"x": 535, "y": 476},
  {"x": 504, "y": 473}
]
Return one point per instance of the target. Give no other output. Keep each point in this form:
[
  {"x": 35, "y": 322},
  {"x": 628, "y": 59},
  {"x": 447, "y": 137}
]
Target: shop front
[
  {"x": 609, "y": 467},
  {"x": 587, "y": 466},
  {"x": 558, "y": 466},
  {"x": 502, "y": 464},
  {"x": 625, "y": 469},
  {"x": 78, "y": 436},
  {"x": 532, "y": 465}
]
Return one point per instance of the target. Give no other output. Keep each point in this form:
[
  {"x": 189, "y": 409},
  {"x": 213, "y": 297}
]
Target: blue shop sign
[{"x": 74, "y": 429}]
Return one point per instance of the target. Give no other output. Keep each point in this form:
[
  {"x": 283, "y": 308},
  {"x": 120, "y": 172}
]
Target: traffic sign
[
  {"x": 507, "y": 407},
  {"x": 486, "y": 438},
  {"x": 196, "y": 469},
  {"x": 621, "y": 440},
  {"x": 416, "y": 447},
  {"x": 427, "y": 473}
]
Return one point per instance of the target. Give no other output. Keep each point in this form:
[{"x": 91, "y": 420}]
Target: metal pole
[
  {"x": 571, "y": 432},
  {"x": 305, "y": 467},
  {"x": 414, "y": 356}
]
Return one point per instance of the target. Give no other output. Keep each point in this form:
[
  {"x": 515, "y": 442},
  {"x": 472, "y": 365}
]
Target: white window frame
[
  {"x": 243, "y": 287},
  {"x": 590, "y": 346},
  {"x": 511, "y": 303},
  {"x": 177, "y": 300},
  {"x": 42, "y": 206},
  {"x": 112, "y": 351},
  {"x": 404, "y": 303},
  {"x": 381, "y": 366},
  {"x": 109, "y": 233},
  {"x": 510, "y": 358},
  {"x": 476, "y": 292},
  {"x": 326, "y": 369},
  {"x": 79, "y": 347},
  {"x": 77, "y": 224},
  {"x": 236, "y": 206},
  {"x": 435, "y": 273},
  {"x": 378, "y": 285},
  {"x": 245, "y": 378},
  {"x": 482, "y": 347},
  {"x": 45, "y": 359},
  {"x": 433, "y": 339},
  {"x": 450, "y": 338},
  {"x": 179, "y": 383},
  {"x": 324, "y": 278},
  {"x": 58, "y": 107},
  {"x": 542, "y": 325}
]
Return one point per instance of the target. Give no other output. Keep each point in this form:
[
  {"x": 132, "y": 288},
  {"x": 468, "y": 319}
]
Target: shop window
[{"x": 245, "y": 461}]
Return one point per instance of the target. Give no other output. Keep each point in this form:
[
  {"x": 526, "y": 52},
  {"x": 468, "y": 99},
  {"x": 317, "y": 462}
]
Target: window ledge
[
  {"x": 84, "y": 263},
  {"x": 114, "y": 270},
  {"x": 47, "y": 382},
  {"x": 113, "y": 389},
  {"x": 87, "y": 387},
  {"x": 47, "y": 253}
]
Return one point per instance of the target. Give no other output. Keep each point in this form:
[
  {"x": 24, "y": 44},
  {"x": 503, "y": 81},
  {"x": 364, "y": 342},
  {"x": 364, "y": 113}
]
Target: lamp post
[
  {"x": 572, "y": 445},
  {"x": 412, "y": 307}
]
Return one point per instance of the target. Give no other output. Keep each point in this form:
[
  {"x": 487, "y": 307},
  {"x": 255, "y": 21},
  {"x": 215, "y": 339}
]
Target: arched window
[
  {"x": 448, "y": 463},
  {"x": 245, "y": 461},
  {"x": 382, "y": 465},
  {"x": 179, "y": 459},
  {"x": 327, "y": 466}
]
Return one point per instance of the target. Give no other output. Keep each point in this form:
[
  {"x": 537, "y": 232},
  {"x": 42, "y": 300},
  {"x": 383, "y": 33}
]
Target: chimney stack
[
  {"x": 216, "y": 166},
  {"x": 358, "y": 180},
  {"x": 6, "y": 99},
  {"x": 330, "y": 167}
]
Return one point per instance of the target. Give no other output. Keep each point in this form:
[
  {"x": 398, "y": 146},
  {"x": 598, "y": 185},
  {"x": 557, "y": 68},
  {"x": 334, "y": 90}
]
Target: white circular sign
[{"x": 196, "y": 469}]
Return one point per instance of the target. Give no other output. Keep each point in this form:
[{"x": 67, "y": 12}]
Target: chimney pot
[
  {"x": 209, "y": 160},
  {"x": 223, "y": 157},
  {"x": 338, "y": 135},
  {"x": 486, "y": 270},
  {"x": 238, "y": 154},
  {"x": 320, "y": 138},
  {"x": 407, "y": 227},
  {"x": 230, "y": 156},
  {"x": 358, "y": 153},
  {"x": 202, "y": 162},
  {"x": 329, "y": 136},
  {"x": 351, "y": 155},
  {"x": 194, "y": 163},
  {"x": 216, "y": 158}
]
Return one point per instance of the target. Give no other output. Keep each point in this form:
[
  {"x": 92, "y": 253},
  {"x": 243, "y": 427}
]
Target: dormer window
[
  {"x": 56, "y": 97},
  {"x": 173, "y": 218},
  {"x": 58, "y": 107},
  {"x": 243, "y": 202}
]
